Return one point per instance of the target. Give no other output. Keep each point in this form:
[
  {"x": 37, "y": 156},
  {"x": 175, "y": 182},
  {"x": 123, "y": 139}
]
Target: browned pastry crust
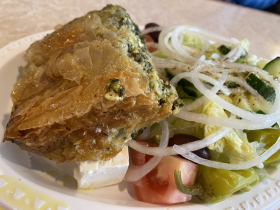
[{"x": 86, "y": 88}]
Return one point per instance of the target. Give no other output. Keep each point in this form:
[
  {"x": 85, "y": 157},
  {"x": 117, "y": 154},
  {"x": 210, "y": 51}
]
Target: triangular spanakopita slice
[{"x": 87, "y": 87}]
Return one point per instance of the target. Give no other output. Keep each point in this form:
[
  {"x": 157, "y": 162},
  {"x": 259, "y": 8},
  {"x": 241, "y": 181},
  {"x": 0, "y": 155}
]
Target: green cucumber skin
[
  {"x": 187, "y": 86},
  {"x": 169, "y": 74},
  {"x": 223, "y": 49},
  {"x": 261, "y": 87},
  {"x": 273, "y": 67}
]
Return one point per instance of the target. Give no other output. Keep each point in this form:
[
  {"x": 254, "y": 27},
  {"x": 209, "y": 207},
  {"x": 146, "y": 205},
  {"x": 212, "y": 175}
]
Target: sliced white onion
[
  {"x": 167, "y": 49},
  {"x": 213, "y": 36},
  {"x": 135, "y": 173},
  {"x": 234, "y": 54},
  {"x": 192, "y": 146},
  {"x": 163, "y": 39},
  {"x": 170, "y": 63},
  {"x": 237, "y": 54},
  {"x": 219, "y": 121},
  {"x": 252, "y": 59},
  {"x": 197, "y": 103},
  {"x": 237, "y": 90},
  {"x": 245, "y": 85},
  {"x": 263, "y": 74},
  {"x": 177, "y": 44},
  {"x": 176, "y": 50},
  {"x": 166, "y": 63},
  {"x": 216, "y": 56},
  {"x": 265, "y": 119},
  {"x": 215, "y": 69},
  {"x": 217, "y": 86},
  {"x": 229, "y": 54},
  {"x": 152, "y": 44},
  {"x": 152, "y": 29},
  {"x": 188, "y": 75},
  {"x": 145, "y": 134},
  {"x": 240, "y": 166}
]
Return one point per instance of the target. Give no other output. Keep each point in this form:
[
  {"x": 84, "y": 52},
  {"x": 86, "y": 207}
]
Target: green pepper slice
[
  {"x": 219, "y": 184},
  {"x": 268, "y": 137}
]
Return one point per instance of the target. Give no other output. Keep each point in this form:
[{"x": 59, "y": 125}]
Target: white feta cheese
[{"x": 95, "y": 174}]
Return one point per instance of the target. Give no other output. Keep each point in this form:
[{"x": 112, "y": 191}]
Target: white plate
[{"x": 57, "y": 180}]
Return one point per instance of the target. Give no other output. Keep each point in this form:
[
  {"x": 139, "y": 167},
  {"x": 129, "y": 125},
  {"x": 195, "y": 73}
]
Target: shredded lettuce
[
  {"x": 192, "y": 41},
  {"x": 235, "y": 148},
  {"x": 245, "y": 44},
  {"x": 238, "y": 145},
  {"x": 177, "y": 125},
  {"x": 159, "y": 53}
]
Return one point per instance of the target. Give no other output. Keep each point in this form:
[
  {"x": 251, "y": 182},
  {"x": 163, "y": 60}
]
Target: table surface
[{"x": 25, "y": 17}]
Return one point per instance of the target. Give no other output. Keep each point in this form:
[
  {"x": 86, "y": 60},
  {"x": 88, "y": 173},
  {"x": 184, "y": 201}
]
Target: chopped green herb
[
  {"x": 115, "y": 92},
  {"x": 232, "y": 85},
  {"x": 121, "y": 91}
]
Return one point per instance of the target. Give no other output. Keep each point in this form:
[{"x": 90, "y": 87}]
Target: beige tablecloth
[{"x": 25, "y": 17}]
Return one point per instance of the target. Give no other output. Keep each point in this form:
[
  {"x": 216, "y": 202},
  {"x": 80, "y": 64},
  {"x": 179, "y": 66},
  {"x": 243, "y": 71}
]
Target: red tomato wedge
[{"x": 159, "y": 186}]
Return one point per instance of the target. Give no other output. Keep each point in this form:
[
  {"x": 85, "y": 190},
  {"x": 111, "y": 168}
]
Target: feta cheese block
[{"x": 95, "y": 174}]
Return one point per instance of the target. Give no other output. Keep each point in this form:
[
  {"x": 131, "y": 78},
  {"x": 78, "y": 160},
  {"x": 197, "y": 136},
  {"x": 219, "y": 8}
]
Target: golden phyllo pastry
[{"x": 87, "y": 87}]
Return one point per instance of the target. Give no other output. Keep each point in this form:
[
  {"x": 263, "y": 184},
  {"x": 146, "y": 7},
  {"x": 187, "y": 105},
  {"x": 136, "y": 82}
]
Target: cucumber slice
[
  {"x": 240, "y": 100},
  {"x": 170, "y": 74},
  {"x": 261, "y": 87},
  {"x": 260, "y": 112},
  {"x": 187, "y": 86},
  {"x": 185, "y": 83},
  {"x": 256, "y": 105},
  {"x": 248, "y": 102},
  {"x": 208, "y": 83},
  {"x": 273, "y": 67},
  {"x": 181, "y": 92},
  {"x": 192, "y": 91},
  {"x": 223, "y": 49}
]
